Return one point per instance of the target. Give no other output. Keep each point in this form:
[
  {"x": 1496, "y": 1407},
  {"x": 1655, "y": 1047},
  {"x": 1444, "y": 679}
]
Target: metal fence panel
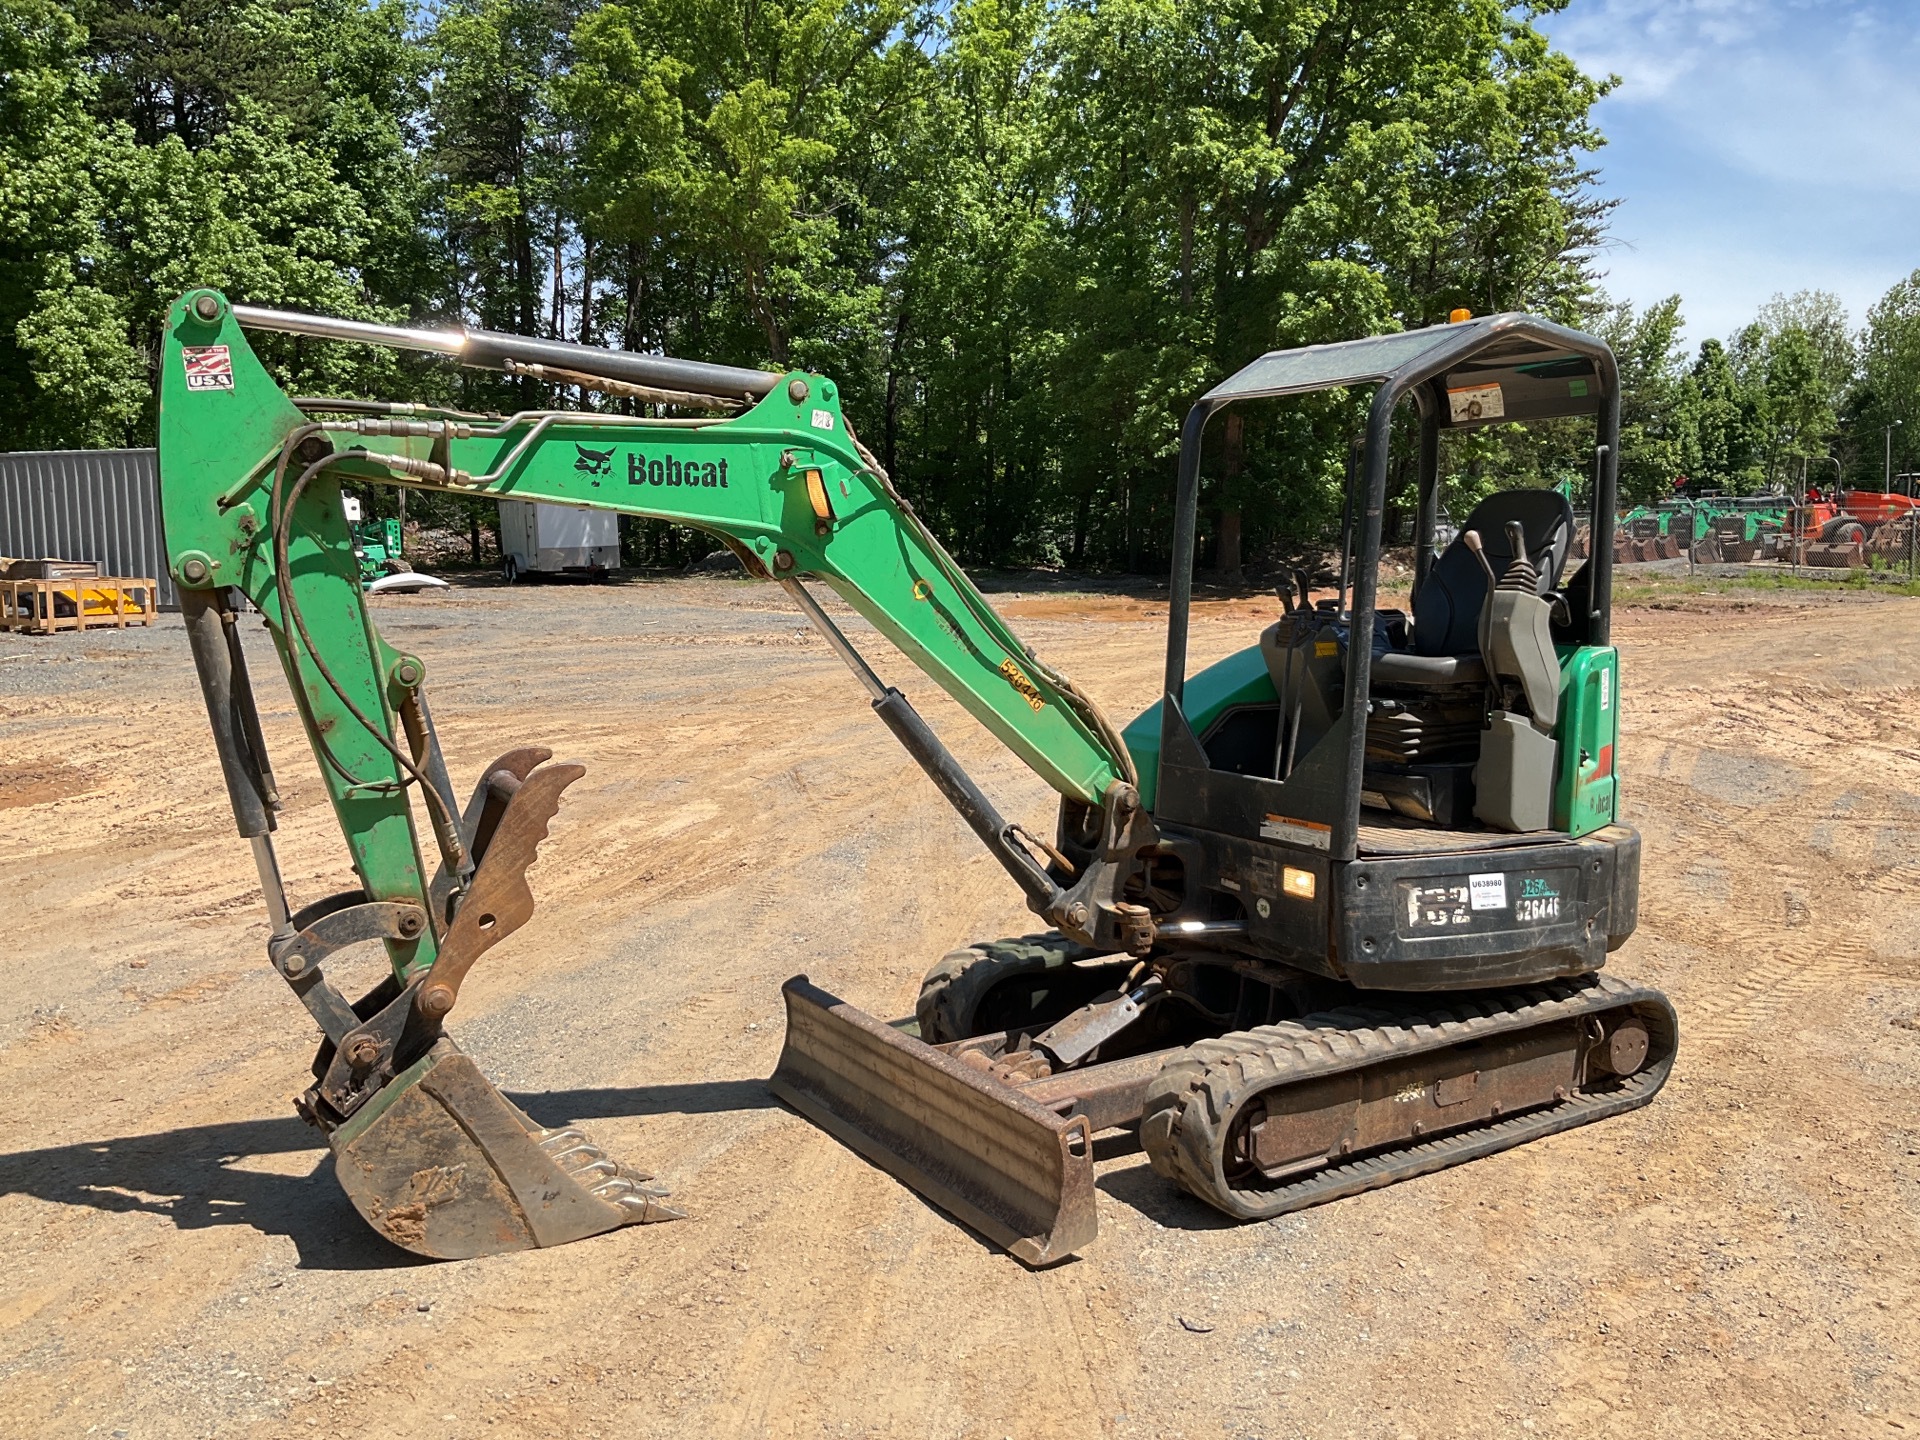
[{"x": 99, "y": 505}]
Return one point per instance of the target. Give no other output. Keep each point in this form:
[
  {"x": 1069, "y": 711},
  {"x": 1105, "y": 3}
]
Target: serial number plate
[{"x": 1491, "y": 901}]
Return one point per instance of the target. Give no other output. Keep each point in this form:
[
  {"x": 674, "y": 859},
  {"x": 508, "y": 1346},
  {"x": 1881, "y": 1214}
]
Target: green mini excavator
[{"x": 1333, "y": 913}]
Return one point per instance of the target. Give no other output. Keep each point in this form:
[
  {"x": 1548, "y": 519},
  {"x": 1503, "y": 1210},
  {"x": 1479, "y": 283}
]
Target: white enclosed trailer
[{"x": 540, "y": 539}]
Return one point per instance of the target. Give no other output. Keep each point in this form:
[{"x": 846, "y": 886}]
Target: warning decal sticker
[
  {"x": 1476, "y": 402},
  {"x": 209, "y": 367},
  {"x": 1297, "y": 832}
]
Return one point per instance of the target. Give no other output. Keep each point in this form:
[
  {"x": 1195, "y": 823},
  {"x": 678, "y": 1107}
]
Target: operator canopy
[{"x": 1477, "y": 372}]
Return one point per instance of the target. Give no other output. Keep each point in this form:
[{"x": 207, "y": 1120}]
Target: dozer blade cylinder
[
  {"x": 1016, "y": 1172},
  {"x": 440, "y": 1163}
]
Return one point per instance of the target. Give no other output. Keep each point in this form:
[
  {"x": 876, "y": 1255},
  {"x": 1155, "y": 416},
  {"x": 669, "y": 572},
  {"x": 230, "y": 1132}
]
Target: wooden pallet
[{"x": 33, "y": 607}]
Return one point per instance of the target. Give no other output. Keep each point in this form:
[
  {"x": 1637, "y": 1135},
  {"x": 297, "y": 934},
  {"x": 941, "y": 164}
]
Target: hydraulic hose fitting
[{"x": 426, "y": 429}]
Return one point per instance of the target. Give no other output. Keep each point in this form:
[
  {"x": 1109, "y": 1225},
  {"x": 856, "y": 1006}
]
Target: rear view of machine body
[{"x": 1377, "y": 878}]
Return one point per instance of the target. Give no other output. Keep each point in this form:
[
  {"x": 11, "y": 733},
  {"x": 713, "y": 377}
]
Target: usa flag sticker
[{"x": 209, "y": 367}]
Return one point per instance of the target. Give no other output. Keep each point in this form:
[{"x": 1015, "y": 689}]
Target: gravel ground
[{"x": 1737, "y": 1259}]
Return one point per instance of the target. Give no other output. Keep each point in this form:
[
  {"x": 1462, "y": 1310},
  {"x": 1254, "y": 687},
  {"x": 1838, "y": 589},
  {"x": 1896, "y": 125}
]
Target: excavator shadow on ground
[{"x": 201, "y": 1176}]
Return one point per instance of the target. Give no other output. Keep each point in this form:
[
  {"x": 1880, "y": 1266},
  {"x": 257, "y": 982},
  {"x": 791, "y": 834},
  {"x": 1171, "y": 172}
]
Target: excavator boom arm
[{"x": 250, "y": 495}]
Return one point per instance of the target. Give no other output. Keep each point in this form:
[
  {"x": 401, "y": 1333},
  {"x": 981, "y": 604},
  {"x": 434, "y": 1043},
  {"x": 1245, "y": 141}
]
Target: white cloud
[
  {"x": 1655, "y": 44},
  {"x": 1758, "y": 146},
  {"x": 1818, "y": 94}
]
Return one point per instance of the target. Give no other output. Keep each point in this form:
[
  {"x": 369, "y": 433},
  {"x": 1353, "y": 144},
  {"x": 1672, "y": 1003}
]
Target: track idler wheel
[{"x": 1026, "y": 983}]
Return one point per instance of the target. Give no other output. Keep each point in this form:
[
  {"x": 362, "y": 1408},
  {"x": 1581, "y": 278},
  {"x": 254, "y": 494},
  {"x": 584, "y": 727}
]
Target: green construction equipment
[
  {"x": 1736, "y": 528},
  {"x": 1331, "y": 914},
  {"x": 376, "y": 543}
]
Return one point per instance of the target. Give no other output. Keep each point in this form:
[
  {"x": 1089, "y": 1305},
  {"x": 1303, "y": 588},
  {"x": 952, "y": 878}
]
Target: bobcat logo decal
[{"x": 593, "y": 462}]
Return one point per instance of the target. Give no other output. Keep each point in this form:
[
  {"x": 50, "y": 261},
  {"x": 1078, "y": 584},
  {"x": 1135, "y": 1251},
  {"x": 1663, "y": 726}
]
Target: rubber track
[
  {"x": 952, "y": 991},
  {"x": 1191, "y": 1104}
]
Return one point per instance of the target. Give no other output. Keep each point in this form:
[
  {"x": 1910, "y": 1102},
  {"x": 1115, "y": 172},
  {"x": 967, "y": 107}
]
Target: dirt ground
[{"x": 1739, "y": 1259}]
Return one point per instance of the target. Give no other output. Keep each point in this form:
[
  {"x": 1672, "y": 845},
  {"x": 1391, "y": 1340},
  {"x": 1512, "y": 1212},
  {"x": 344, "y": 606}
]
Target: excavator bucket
[
  {"x": 996, "y": 1160},
  {"x": 442, "y": 1164},
  {"x": 435, "y": 1158}
]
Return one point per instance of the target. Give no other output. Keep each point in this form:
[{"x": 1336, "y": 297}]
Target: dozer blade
[
  {"x": 440, "y": 1163},
  {"x": 1013, "y": 1170}
]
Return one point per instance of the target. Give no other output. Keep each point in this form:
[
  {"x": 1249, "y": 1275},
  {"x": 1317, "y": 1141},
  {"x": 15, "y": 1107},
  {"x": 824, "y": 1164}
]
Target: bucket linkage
[{"x": 427, "y": 1149}]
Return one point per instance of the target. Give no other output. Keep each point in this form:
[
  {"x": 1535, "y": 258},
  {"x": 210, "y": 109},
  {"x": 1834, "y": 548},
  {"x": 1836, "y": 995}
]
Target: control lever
[
  {"x": 1297, "y": 596},
  {"x": 1471, "y": 539},
  {"x": 1521, "y": 573}
]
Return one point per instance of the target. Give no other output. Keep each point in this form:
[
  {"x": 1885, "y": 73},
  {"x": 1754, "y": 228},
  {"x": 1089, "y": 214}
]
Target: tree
[
  {"x": 1797, "y": 416},
  {"x": 1022, "y": 235},
  {"x": 1821, "y": 318},
  {"x": 1654, "y": 448},
  {"x": 1890, "y": 364},
  {"x": 67, "y": 372},
  {"x": 1719, "y": 426},
  {"x": 1241, "y": 178}
]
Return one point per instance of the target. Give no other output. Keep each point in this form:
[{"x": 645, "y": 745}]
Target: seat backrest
[{"x": 1446, "y": 610}]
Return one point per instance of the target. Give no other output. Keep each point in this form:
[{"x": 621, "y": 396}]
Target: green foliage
[
  {"x": 1889, "y": 394},
  {"x": 1022, "y": 234},
  {"x": 68, "y": 374},
  {"x": 1653, "y": 395},
  {"x": 1821, "y": 320},
  {"x": 1720, "y": 426},
  {"x": 1752, "y": 414}
]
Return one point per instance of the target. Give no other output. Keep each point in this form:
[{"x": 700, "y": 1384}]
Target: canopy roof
[{"x": 1479, "y": 372}]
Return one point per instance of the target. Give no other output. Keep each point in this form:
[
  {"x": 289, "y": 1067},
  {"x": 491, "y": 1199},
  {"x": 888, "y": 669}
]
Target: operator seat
[
  {"x": 1439, "y": 659},
  {"x": 1446, "y": 608}
]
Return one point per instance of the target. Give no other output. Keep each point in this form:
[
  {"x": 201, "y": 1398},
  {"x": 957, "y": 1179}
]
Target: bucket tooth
[
  {"x": 603, "y": 1177},
  {"x": 980, "y": 1150},
  {"x": 442, "y": 1164},
  {"x": 639, "y": 1204}
]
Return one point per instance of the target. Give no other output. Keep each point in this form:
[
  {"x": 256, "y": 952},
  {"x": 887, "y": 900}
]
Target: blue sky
[{"x": 1756, "y": 146}]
